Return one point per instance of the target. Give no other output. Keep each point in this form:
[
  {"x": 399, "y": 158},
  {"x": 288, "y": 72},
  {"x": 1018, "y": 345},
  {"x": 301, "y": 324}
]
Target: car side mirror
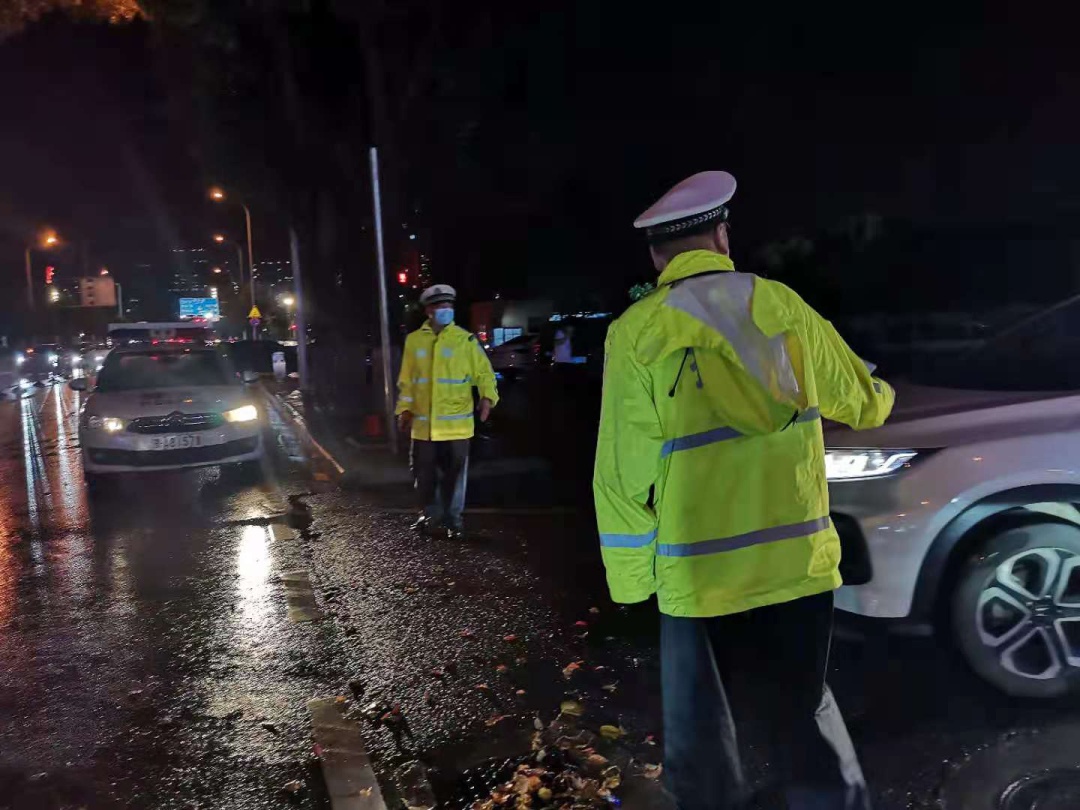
[
  {"x": 250, "y": 377},
  {"x": 78, "y": 384}
]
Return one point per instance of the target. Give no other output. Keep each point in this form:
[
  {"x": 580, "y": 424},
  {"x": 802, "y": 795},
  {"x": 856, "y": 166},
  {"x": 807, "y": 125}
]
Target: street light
[
  {"x": 288, "y": 301},
  {"x": 221, "y": 239},
  {"x": 217, "y": 194},
  {"x": 46, "y": 239}
]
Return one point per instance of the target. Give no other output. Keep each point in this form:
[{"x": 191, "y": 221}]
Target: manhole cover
[{"x": 1049, "y": 790}]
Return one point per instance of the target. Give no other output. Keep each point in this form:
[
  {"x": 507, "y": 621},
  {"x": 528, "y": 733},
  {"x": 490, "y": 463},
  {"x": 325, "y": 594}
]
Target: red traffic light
[
  {"x": 403, "y": 277},
  {"x": 49, "y": 273}
]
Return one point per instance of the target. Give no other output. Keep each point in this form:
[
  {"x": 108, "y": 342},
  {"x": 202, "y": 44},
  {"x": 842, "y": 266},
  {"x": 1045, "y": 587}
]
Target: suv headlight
[
  {"x": 245, "y": 413},
  {"x": 110, "y": 424},
  {"x": 849, "y": 465}
]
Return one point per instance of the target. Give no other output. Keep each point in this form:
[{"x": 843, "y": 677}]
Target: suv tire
[{"x": 1016, "y": 609}]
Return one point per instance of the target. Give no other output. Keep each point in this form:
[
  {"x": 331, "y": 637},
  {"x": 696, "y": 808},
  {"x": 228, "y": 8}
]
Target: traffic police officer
[
  {"x": 441, "y": 366},
  {"x": 711, "y": 493}
]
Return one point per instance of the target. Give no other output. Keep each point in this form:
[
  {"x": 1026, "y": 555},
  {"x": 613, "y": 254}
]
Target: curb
[{"x": 289, "y": 414}]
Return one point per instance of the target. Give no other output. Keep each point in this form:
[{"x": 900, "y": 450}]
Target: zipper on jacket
[{"x": 693, "y": 367}]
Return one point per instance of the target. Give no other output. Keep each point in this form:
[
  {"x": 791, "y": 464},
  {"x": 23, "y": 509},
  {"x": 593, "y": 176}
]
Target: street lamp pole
[
  {"x": 251, "y": 264},
  {"x": 29, "y": 281}
]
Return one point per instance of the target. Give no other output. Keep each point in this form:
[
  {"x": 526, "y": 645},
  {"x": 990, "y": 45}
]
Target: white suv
[{"x": 961, "y": 512}]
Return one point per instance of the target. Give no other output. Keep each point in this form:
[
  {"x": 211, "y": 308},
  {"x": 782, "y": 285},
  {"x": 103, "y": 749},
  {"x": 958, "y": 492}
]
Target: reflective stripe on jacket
[
  {"x": 710, "y": 472},
  {"x": 438, "y": 373}
]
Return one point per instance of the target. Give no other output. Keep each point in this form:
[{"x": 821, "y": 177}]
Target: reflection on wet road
[{"x": 143, "y": 640}]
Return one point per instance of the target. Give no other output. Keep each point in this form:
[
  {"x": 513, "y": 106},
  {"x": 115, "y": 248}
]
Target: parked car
[
  {"x": 516, "y": 355},
  {"x": 167, "y": 407},
  {"x": 961, "y": 513}
]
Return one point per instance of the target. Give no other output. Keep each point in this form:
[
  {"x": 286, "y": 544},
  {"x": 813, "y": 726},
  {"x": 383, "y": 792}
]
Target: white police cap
[
  {"x": 438, "y": 294},
  {"x": 698, "y": 199}
]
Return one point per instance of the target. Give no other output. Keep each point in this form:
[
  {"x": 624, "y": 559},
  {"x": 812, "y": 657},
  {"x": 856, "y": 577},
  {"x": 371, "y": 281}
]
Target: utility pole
[
  {"x": 301, "y": 313},
  {"x": 384, "y": 307}
]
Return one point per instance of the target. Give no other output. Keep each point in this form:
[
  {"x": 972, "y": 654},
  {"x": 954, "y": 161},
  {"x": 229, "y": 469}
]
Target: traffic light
[
  {"x": 403, "y": 277},
  {"x": 49, "y": 273}
]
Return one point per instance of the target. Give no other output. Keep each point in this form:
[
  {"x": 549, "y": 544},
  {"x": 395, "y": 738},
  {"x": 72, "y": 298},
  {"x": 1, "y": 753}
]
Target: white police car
[{"x": 165, "y": 406}]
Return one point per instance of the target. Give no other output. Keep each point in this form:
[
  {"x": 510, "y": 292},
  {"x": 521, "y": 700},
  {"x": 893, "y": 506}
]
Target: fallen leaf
[
  {"x": 596, "y": 761},
  {"x": 412, "y": 589},
  {"x": 321, "y": 476},
  {"x": 340, "y": 699},
  {"x": 570, "y": 669},
  {"x": 538, "y": 724},
  {"x": 521, "y": 660},
  {"x": 594, "y": 610},
  {"x": 495, "y": 720},
  {"x": 571, "y": 708},
  {"x": 650, "y": 739},
  {"x": 502, "y": 668},
  {"x": 519, "y": 692},
  {"x": 652, "y": 771},
  {"x": 581, "y": 624},
  {"x": 611, "y": 732},
  {"x": 482, "y": 687},
  {"x": 295, "y": 786},
  {"x": 510, "y": 639},
  {"x": 610, "y": 688},
  {"x": 467, "y": 634}
]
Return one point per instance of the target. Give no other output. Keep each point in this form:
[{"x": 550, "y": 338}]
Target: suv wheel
[{"x": 1016, "y": 609}]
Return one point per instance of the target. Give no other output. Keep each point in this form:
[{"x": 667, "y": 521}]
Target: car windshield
[
  {"x": 1039, "y": 353},
  {"x": 133, "y": 372}
]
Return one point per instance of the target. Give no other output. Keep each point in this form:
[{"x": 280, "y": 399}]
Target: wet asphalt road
[{"x": 147, "y": 659}]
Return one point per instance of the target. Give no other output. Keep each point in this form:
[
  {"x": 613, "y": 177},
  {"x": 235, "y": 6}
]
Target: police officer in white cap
[
  {"x": 711, "y": 495},
  {"x": 441, "y": 366}
]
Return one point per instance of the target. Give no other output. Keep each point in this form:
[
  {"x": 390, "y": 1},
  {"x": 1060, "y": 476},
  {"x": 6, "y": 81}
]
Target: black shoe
[{"x": 455, "y": 534}]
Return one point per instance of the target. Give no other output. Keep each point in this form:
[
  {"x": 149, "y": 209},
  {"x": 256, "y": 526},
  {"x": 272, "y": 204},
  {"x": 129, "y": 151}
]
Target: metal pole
[
  {"x": 301, "y": 314},
  {"x": 384, "y": 307},
  {"x": 119, "y": 300},
  {"x": 251, "y": 266},
  {"x": 29, "y": 281}
]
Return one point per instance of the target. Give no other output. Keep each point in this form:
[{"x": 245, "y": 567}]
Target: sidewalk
[{"x": 368, "y": 464}]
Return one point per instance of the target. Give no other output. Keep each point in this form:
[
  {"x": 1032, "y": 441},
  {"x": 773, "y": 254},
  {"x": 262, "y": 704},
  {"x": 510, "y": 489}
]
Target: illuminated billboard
[{"x": 206, "y": 308}]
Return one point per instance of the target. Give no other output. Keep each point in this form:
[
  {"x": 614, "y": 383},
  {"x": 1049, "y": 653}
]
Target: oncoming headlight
[
  {"x": 849, "y": 465},
  {"x": 20, "y": 358},
  {"x": 245, "y": 413},
  {"x": 109, "y": 424}
]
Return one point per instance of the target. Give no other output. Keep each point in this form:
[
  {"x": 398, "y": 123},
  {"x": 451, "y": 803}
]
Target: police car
[{"x": 164, "y": 405}]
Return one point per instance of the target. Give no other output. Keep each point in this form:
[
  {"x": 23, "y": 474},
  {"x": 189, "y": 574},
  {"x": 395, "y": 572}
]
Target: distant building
[{"x": 191, "y": 268}]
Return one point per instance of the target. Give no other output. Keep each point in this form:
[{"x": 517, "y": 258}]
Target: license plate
[{"x": 177, "y": 441}]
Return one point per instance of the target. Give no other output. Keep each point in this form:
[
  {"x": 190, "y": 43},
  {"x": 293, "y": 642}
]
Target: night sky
[{"x": 951, "y": 119}]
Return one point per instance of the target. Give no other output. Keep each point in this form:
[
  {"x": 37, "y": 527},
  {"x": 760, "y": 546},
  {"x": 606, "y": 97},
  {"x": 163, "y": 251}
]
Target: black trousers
[
  {"x": 440, "y": 470},
  {"x": 780, "y": 654}
]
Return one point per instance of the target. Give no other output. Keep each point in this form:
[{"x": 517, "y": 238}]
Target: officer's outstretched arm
[
  {"x": 847, "y": 390},
  {"x": 405, "y": 381},
  {"x": 627, "y": 464},
  {"x": 483, "y": 373}
]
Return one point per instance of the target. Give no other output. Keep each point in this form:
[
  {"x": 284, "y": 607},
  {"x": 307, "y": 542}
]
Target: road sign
[{"x": 254, "y": 314}]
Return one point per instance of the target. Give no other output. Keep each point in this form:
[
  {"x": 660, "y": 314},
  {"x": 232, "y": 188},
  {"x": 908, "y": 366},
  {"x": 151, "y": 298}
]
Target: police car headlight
[
  {"x": 245, "y": 413},
  {"x": 20, "y": 358},
  {"x": 76, "y": 360},
  {"x": 110, "y": 424},
  {"x": 850, "y": 465},
  {"x": 54, "y": 359}
]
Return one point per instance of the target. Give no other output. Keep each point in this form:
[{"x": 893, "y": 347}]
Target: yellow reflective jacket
[
  {"x": 710, "y": 472},
  {"x": 438, "y": 373}
]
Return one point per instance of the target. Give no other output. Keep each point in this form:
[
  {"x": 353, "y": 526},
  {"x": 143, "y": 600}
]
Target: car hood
[
  {"x": 163, "y": 401},
  {"x": 925, "y": 416}
]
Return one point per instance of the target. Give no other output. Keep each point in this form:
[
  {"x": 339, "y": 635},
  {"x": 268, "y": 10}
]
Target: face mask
[{"x": 444, "y": 317}]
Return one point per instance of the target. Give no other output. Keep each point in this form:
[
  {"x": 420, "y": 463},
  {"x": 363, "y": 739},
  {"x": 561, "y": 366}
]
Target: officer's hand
[
  {"x": 485, "y": 409},
  {"x": 404, "y": 420}
]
